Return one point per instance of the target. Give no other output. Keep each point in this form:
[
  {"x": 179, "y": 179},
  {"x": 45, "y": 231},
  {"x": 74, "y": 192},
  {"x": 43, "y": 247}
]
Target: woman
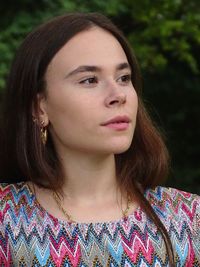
[{"x": 83, "y": 166}]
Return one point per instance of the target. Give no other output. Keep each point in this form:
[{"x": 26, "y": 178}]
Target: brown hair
[{"x": 24, "y": 157}]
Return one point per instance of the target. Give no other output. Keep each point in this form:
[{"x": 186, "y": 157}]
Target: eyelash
[
  {"x": 127, "y": 78},
  {"x": 94, "y": 79},
  {"x": 86, "y": 81}
]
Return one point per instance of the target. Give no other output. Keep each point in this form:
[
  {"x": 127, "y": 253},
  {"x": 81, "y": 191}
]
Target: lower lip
[{"x": 118, "y": 126}]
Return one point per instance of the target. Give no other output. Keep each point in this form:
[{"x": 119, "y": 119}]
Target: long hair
[{"x": 23, "y": 156}]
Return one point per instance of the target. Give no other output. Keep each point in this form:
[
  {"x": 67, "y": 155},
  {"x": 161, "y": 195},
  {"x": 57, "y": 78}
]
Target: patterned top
[{"x": 30, "y": 236}]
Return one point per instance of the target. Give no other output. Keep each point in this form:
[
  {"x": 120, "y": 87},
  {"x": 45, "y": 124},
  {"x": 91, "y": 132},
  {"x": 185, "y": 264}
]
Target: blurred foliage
[{"x": 166, "y": 38}]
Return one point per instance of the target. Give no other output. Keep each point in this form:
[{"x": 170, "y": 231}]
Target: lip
[
  {"x": 118, "y": 123},
  {"x": 118, "y": 119}
]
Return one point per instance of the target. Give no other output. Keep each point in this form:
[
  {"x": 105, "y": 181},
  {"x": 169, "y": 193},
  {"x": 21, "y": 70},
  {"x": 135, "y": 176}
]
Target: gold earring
[{"x": 43, "y": 132}]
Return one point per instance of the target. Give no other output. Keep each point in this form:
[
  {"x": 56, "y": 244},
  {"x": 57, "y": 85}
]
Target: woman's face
[{"x": 89, "y": 84}]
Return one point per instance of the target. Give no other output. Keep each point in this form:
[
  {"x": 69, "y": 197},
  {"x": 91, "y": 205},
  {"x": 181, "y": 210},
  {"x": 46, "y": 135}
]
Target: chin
[{"x": 118, "y": 149}]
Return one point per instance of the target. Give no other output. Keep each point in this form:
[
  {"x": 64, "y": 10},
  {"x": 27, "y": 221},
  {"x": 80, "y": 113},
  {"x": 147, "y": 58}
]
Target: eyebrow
[{"x": 88, "y": 68}]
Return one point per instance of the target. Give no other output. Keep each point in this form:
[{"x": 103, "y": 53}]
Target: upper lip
[{"x": 117, "y": 119}]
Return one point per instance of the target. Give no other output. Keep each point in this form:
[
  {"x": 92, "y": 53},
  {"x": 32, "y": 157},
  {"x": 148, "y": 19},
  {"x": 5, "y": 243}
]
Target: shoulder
[
  {"x": 7, "y": 189},
  {"x": 13, "y": 195},
  {"x": 179, "y": 212},
  {"x": 167, "y": 194},
  {"x": 173, "y": 204}
]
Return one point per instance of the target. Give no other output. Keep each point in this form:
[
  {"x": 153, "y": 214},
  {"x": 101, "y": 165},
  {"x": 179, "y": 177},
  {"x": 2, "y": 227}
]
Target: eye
[
  {"x": 124, "y": 79},
  {"x": 90, "y": 80}
]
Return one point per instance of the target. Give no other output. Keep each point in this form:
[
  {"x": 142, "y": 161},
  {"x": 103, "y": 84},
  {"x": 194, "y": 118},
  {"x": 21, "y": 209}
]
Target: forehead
[{"x": 93, "y": 47}]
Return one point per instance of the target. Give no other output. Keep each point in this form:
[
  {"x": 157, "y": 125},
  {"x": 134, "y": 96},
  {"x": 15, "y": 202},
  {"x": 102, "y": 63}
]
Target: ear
[{"x": 39, "y": 112}]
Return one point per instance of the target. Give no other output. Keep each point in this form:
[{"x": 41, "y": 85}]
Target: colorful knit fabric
[{"x": 31, "y": 237}]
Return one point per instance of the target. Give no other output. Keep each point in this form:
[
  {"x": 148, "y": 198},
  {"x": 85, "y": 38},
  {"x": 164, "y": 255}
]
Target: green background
[{"x": 165, "y": 36}]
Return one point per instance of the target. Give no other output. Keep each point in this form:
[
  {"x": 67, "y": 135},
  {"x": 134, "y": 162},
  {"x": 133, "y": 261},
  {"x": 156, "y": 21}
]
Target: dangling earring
[{"x": 43, "y": 132}]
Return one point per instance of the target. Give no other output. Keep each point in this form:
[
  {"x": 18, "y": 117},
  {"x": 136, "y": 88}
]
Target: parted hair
[{"x": 23, "y": 156}]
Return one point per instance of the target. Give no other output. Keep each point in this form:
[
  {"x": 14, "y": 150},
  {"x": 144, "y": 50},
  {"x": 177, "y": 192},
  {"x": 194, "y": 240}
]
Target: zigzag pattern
[{"x": 31, "y": 237}]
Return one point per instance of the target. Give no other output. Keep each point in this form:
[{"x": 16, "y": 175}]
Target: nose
[{"x": 115, "y": 98}]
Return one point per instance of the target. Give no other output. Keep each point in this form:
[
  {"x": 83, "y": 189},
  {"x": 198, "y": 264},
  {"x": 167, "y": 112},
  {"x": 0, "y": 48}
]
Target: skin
[{"x": 77, "y": 101}]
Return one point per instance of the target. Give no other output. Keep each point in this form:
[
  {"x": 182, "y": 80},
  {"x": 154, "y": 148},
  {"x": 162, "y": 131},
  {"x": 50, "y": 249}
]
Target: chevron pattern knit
[{"x": 31, "y": 237}]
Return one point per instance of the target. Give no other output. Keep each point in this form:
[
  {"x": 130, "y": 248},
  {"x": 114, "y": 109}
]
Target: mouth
[
  {"x": 118, "y": 123},
  {"x": 118, "y": 119}
]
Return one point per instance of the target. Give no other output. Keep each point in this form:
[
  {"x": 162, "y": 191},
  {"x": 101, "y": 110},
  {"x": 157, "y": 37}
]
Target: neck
[{"x": 89, "y": 177}]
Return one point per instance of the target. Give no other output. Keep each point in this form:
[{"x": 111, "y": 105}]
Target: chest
[{"x": 112, "y": 244}]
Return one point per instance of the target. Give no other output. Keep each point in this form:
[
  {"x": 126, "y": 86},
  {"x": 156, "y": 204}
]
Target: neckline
[{"x": 60, "y": 221}]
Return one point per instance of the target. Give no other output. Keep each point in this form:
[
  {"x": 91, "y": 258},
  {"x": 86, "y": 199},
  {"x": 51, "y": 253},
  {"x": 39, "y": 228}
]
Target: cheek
[
  {"x": 133, "y": 101},
  {"x": 70, "y": 110}
]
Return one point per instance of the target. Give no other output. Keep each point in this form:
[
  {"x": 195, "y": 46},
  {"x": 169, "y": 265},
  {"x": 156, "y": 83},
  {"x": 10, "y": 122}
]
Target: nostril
[{"x": 113, "y": 102}]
